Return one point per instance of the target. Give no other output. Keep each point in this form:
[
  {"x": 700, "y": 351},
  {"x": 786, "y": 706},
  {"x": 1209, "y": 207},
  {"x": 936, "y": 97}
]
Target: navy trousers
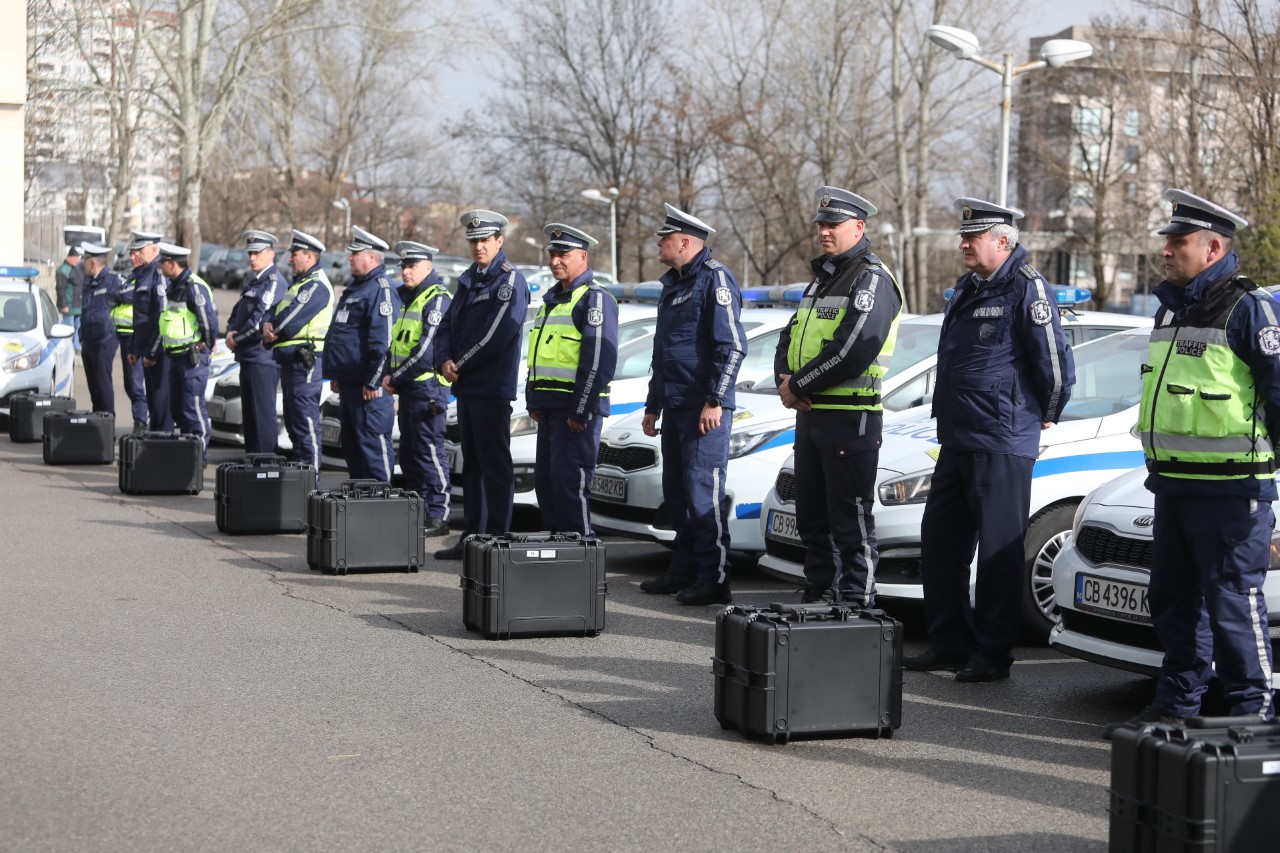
[
  {"x": 976, "y": 500},
  {"x": 302, "y": 387},
  {"x": 562, "y": 475},
  {"x": 366, "y": 433},
  {"x": 488, "y": 478},
  {"x": 693, "y": 472},
  {"x": 422, "y": 454},
  {"x": 134, "y": 387},
  {"x": 1208, "y": 565},
  {"x": 156, "y": 381},
  {"x": 188, "y": 380},
  {"x": 97, "y": 357},
  {"x": 258, "y": 381}
]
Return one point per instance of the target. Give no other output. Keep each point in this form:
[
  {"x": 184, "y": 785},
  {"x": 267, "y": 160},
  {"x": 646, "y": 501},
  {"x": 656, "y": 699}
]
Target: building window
[
  {"x": 1132, "y": 123},
  {"x": 1089, "y": 121}
]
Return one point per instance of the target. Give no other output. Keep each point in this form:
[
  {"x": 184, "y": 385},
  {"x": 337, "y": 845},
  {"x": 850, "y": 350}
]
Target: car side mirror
[{"x": 61, "y": 330}]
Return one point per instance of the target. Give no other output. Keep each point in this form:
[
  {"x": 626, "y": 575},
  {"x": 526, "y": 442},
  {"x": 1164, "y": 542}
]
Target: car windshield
[
  {"x": 17, "y": 312},
  {"x": 916, "y": 342},
  {"x": 1108, "y": 377}
]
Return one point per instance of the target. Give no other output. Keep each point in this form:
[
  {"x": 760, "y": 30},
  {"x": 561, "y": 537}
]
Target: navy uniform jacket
[
  {"x": 197, "y": 299},
  {"x": 1004, "y": 365},
  {"x": 100, "y": 295},
  {"x": 289, "y": 320},
  {"x": 481, "y": 331},
  {"x": 257, "y": 295},
  {"x": 148, "y": 301},
  {"x": 596, "y": 318},
  {"x": 423, "y": 357},
  {"x": 699, "y": 343},
  {"x": 359, "y": 339},
  {"x": 1253, "y": 315}
]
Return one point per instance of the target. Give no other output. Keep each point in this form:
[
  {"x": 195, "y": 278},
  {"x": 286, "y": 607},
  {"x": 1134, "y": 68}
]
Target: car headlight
[
  {"x": 742, "y": 443},
  {"x": 1075, "y": 521},
  {"x": 911, "y": 489},
  {"x": 23, "y": 360},
  {"x": 523, "y": 425}
]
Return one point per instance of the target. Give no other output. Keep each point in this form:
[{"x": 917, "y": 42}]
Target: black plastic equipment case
[
  {"x": 79, "y": 438},
  {"x": 27, "y": 411},
  {"x": 1213, "y": 785},
  {"x": 161, "y": 463},
  {"x": 817, "y": 669},
  {"x": 263, "y": 494},
  {"x": 534, "y": 584},
  {"x": 364, "y": 524}
]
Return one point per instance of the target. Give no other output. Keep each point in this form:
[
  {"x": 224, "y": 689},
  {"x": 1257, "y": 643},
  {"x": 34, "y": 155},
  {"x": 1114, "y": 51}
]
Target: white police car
[
  {"x": 1091, "y": 443},
  {"x": 36, "y": 351},
  {"x": 226, "y": 405},
  {"x": 1100, "y": 581}
]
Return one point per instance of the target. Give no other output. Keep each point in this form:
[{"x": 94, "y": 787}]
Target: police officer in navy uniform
[
  {"x": 131, "y": 369},
  {"x": 573, "y": 352},
  {"x": 1005, "y": 372},
  {"x": 259, "y": 374},
  {"x": 479, "y": 352},
  {"x": 697, "y": 350},
  {"x": 188, "y": 328},
  {"x": 356, "y": 351},
  {"x": 1209, "y": 423},
  {"x": 423, "y": 393},
  {"x": 294, "y": 331},
  {"x": 148, "y": 289},
  {"x": 98, "y": 342},
  {"x": 829, "y": 364}
]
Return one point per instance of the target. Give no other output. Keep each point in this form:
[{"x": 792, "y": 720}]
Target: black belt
[{"x": 1225, "y": 469}]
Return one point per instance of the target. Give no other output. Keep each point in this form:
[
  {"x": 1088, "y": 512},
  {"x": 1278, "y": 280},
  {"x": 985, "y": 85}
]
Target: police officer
[
  {"x": 259, "y": 374},
  {"x": 423, "y": 393},
  {"x": 479, "y": 352},
  {"x": 829, "y": 364},
  {"x": 188, "y": 331},
  {"x": 98, "y": 342},
  {"x": 697, "y": 350},
  {"x": 122, "y": 318},
  {"x": 1209, "y": 422},
  {"x": 294, "y": 330},
  {"x": 148, "y": 289},
  {"x": 573, "y": 351},
  {"x": 1005, "y": 373},
  {"x": 356, "y": 350}
]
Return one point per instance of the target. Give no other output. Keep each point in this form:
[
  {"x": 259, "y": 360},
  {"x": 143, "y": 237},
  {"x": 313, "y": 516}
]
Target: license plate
[
  {"x": 782, "y": 525},
  {"x": 609, "y": 488},
  {"x": 217, "y": 408},
  {"x": 1114, "y": 598},
  {"x": 453, "y": 460},
  {"x": 331, "y": 434}
]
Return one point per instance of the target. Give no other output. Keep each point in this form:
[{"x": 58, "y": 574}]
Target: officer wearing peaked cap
[
  {"x": 259, "y": 374},
  {"x": 188, "y": 330},
  {"x": 573, "y": 351},
  {"x": 478, "y": 350},
  {"x": 131, "y": 368},
  {"x": 294, "y": 331},
  {"x": 356, "y": 349},
  {"x": 1005, "y": 372},
  {"x": 146, "y": 289},
  {"x": 829, "y": 364},
  {"x": 98, "y": 342},
  {"x": 1209, "y": 423},
  {"x": 423, "y": 393},
  {"x": 697, "y": 350}
]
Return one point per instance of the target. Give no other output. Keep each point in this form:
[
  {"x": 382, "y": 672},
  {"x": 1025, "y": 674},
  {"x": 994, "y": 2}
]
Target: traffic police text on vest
[
  {"x": 148, "y": 289},
  {"x": 834, "y": 354},
  {"x": 572, "y": 355},
  {"x": 98, "y": 341},
  {"x": 188, "y": 332},
  {"x": 259, "y": 374},
  {"x": 423, "y": 393}
]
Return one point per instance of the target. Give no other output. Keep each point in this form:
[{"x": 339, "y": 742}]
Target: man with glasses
[
  {"x": 148, "y": 289},
  {"x": 259, "y": 374}
]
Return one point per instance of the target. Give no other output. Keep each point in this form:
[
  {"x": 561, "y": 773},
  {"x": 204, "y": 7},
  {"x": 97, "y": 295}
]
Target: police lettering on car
[
  {"x": 1005, "y": 372},
  {"x": 147, "y": 289},
  {"x": 829, "y": 364},
  {"x": 98, "y": 341},
  {"x": 188, "y": 328},
  {"x": 259, "y": 374},
  {"x": 423, "y": 392},
  {"x": 697, "y": 350},
  {"x": 573, "y": 350}
]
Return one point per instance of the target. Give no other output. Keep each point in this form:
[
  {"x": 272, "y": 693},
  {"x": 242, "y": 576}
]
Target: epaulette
[
  {"x": 1029, "y": 271},
  {"x": 1247, "y": 283},
  {"x": 872, "y": 259},
  {"x": 506, "y": 266},
  {"x": 713, "y": 264}
]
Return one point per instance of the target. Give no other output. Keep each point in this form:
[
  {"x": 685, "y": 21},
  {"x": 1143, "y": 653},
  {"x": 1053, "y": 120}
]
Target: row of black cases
[
  {"x": 79, "y": 438},
  {"x": 161, "y": 463},
  {"x": 364, "y": 524},
  {"x": 27, "y": 411},
  {"x": 263, "y": 494}
]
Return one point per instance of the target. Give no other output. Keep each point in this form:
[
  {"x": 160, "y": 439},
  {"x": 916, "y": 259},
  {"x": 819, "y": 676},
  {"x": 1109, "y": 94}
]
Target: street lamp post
[
  {"x": 612, "y": 200},
  {"x": 1054, "y": 53},
  {"x": 537, "y": 248},
  {"x": 343, "y": 204}
]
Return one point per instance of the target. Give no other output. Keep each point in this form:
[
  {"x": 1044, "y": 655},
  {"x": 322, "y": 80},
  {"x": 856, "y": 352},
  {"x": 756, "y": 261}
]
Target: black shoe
[
  {"x": 664, "y": 585},
  {"x": 705, "y": 592},
  {"x": 813, "y": 595},
  {"x": 930, "y": 661},
  {"x": 982, "y": 668},
  {"x": 451, "y": 553},
  {"x": 435, "y": 527},
  {"x": 1148, "y": 714},
  {"x": 139, "y": 427}
]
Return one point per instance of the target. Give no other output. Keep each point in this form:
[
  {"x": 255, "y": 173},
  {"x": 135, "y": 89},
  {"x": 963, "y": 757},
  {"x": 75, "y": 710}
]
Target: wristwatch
[{"x": 713, "y": 402}]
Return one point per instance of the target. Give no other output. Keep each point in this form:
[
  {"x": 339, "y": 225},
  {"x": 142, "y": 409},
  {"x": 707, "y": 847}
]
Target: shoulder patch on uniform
[
  {"x": 1029, "y": 271},
  {"x": 864, "y": 301},
  {"x": 199, "y": 298},
  {"x": 595, "y": 317},
  {"x": 723, "y": 296},
  {"x": 384, "y": 308},
  {"x": 1269, "y": 341},
  {"x": 1041, "y": 312},
  {"x": 434, "y": 318},
  {"x": 713, "y": 264},
  {"x": 504, "y": 292},
  {"x": 304, "y": 296}
]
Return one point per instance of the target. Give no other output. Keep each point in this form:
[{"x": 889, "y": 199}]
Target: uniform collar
[
  {"x": 371, "y": 275},
  {"x": 265, "y": 273},
  {"x": 490, "y": 272},
  {"x": 678, "y": 277},
  {"x": 300, "y": 276},
  {"x": 180, "y": 279},
  {"x": 556, "y": 294},
  {"x": 154, "y": 265},
  {"x": 408, "y": 293},
  {"x": 830, "y": 265},
  {"x": 1178, "y": 298}
]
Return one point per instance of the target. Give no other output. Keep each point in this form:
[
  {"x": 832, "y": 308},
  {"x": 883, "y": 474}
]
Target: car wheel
[{"x": 1046, "y": 536}]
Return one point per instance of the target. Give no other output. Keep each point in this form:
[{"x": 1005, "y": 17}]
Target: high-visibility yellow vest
[
  {"x": 179, "y": 326},
  {"x": 407, "y": 331},
  {"x": 555, "y": 345},
  {"x": 314, "y": 332}
]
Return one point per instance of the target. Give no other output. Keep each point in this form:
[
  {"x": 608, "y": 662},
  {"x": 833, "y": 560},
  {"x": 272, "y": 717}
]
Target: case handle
[
  {"x": 542, "y": 537},
  {"x": 259, "y": 459}
]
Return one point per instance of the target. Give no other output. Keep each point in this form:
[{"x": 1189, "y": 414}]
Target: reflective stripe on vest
[
  {"x": 814, "y": 327},
  {"x": 318, "y": 325},
  {"x": 179, "y": 326},
  {"x": 1201, "y": 417},
  {"x": 407, "y": 332},
  {"x": 122, "y": 314},
  {"x": 555, "y": 344}
]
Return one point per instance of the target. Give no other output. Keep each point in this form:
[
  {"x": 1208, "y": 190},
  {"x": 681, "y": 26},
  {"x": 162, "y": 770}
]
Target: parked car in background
[
  {"x": 227, "y": 268},
  {"x": 207, "y": 252},
  {"x": 36, "y": 352}
]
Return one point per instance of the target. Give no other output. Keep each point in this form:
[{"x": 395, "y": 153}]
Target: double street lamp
[
  {"x": 1054, "y": 53},
  {"x": 611, "y": 199}
]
